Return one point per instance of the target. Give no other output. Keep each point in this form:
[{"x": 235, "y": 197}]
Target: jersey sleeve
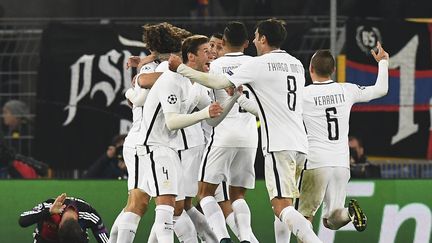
[
  {"x": 169, "y": 94},
  {"x": 148, "y": 68},
  {"x": 244, "y": 74},
  {"x": 38, "y": 213},
  {"x": 97, "y": 226},
  {"x": 359, "y": 93}
]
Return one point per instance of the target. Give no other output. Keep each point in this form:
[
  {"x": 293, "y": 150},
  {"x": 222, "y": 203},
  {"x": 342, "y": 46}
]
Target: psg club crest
[{"x": 367, "y": 38}]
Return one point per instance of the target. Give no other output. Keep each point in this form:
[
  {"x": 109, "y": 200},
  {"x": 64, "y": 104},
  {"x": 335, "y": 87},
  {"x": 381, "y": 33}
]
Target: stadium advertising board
[{"x": 397, "y": 211}]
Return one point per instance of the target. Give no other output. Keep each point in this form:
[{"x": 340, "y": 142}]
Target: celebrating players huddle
[{"x": 194, "y": 135}]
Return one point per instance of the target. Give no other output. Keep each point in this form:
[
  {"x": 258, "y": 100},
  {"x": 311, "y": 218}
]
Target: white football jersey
[
  {"x": 326, "y": 113},
  {"x": 171, "y": 93},
  {"x": 197, "y": 98},
  {"x": 191, "y": 136},
  {"x": 238, "y": 129},
  {"x": 276, "y": 79},
  {"x": 132, "y": 139}
]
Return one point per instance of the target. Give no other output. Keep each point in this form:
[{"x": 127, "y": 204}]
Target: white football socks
[
  {"x": 215, "y": 217},
  {"x": 299, "y": 225},
  {"x": 282, "y": 232},
  {"x": 127, "y": 226},
  {"x": 201, "y": 225},
  {"x": 163, "y": 223},
  {"x": 114, "y": 229},
  {"x": 185, "y": 229},
  {"x": 243, "y": 219}
]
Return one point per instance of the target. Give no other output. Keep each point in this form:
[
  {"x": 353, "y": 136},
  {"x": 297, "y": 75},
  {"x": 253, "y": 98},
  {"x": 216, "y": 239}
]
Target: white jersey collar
[
  {"x": 234, "y": 54},
  {"x": 324, "y": 82}
]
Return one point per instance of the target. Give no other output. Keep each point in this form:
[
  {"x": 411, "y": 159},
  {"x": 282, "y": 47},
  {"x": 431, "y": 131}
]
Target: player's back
[
  {"x": 326, "y": 115},
  {"x": 277, "y": 80},
  {"x": 238, "y": 129}
]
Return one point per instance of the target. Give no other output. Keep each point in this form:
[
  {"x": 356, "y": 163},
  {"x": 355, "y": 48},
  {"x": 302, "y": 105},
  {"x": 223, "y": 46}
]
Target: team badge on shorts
[{"x": 172, "y": 99}]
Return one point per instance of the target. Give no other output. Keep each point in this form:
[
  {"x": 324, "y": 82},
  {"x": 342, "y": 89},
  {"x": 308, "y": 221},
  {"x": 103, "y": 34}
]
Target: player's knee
[
  {"x": 188, "y": 204},
  {"x": 179, "y": 206},
  {"x": 137, "y": 206},
  {"x": 237, "y": 193}
]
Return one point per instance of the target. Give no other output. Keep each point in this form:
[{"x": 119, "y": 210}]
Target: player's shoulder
[
  {"x": 162, "y": 67},
  {"x": 352, "y": 86},
  {"x": 149, "y": 67}
]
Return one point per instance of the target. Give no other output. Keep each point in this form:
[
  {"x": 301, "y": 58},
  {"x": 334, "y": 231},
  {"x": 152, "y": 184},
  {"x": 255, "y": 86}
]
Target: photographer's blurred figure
[
  {"x": 111, "y": 164},
  {"x": 16, "y": 118},
  {"x": 361, "y": 167},
  {"x": 64, "y": 220}
]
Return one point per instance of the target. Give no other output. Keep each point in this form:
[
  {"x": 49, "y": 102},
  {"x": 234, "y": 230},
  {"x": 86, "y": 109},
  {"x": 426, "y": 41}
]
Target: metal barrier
[{"x": 408, "y": 169}]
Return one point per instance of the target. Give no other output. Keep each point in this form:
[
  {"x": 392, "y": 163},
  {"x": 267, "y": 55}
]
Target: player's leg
[
  {"x": 242, "y": 177},
  {"x": 337, "y": 215},
  {"x": 164, "y": 173},
  {"x": 191, "y": 161},
  {"x": 280, "y": 169},
  {"x": 184, "y": 228},
  {"x": 312, "y": 185},
  {"x": 214, "y": 169},
  {"x": 204, "y": 231},
  {"x": 282, "y": 233},
  {"x": 222, "y": 198},
  {"x": 126, "y": 224}
]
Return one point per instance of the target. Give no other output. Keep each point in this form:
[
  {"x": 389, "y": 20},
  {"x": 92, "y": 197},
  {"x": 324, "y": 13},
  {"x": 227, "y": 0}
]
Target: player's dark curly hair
[
  {"x": 71, "y": 232},
  {"x": 274, "y": 31},
  {"x": 164, "y": 37}
]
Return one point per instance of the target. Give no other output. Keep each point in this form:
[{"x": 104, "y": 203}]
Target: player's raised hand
[
  {"x": 381, "y": 55},
  {"x": 174, "y": 61},
  {"x": 147, "y": 59},
  {"x": 215, "y": 110},
  {"x": 58, "y": 205},
  {"x": 133, "y": 61}
]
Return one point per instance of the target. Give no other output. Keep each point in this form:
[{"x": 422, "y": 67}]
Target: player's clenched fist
[
  {"x": 174, "y": 61},
  {"x": 215, "y": 110}
]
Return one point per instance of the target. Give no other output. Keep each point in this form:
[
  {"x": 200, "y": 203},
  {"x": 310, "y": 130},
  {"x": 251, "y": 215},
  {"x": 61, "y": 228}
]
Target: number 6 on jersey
[{"x": 331, "y": 120}]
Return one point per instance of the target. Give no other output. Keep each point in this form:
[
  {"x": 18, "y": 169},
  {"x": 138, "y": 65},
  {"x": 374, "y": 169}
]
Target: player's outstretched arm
[
  {"x": 175, "y": 121},
  {"x": 380, "y": 88},
  {"x": 226, "y": 106},
  {"x": 381, "y": 85},
  {"x": 207, "y": 79},
  {"x": 146, "y": 80},
  {"x": 249, "y": 105}
]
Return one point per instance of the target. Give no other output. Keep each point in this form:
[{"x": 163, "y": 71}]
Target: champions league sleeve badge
[{"x": 172, "y": 99}]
